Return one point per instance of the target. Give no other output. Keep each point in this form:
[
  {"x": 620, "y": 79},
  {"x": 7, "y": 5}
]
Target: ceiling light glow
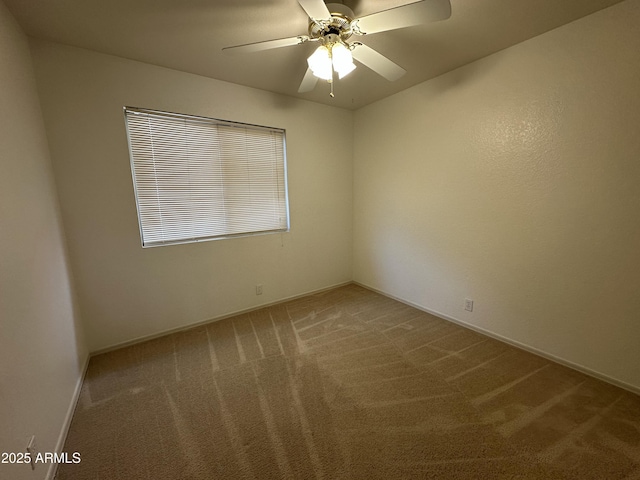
[{"x": 326, "y": 58}]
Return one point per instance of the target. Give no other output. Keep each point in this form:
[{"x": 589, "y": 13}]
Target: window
[{"x": 198, "y": 178}]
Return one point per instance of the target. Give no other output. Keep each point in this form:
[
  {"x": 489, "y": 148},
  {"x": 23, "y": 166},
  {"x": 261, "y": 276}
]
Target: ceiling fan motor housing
[{"x": 338, "y": 28}]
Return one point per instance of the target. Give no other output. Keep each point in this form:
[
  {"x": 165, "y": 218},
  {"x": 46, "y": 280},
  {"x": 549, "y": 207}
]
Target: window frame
[{"x": 217, "y": 122}]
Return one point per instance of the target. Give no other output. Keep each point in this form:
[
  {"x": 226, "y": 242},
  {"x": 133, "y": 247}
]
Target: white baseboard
[
  {"x": 162, "y": 333},
  {"x": 515, "y": 343},
  {"x": 53, "y": 467}
]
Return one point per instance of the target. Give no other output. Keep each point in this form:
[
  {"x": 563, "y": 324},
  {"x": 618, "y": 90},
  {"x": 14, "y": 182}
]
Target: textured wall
[
  {"x": 127, "y": 292},
  {"x": 42, "y": 351},
  {"x": 514, "y": 181}
]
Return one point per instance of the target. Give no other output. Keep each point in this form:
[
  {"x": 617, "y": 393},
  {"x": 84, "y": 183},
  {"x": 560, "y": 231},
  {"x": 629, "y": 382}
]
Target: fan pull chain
[{"x": 333, "y": 74}]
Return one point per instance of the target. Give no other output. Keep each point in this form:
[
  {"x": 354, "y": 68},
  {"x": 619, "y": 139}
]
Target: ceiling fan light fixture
[
  {"x": 320, "y": 63},
  {"x": 342, "y": 60},
  {"x": 335, "y": 56}
]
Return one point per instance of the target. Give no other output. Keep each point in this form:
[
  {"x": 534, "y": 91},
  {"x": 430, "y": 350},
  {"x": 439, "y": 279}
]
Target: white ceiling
[{"x": 189, "y": 35}]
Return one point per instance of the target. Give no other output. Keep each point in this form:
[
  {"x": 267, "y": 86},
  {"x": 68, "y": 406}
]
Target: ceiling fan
[{"x": 333, "y": 25}]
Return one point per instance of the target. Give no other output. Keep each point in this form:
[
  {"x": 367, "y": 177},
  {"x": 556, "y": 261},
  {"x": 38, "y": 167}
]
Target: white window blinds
[{"x": 199, "y": 178}]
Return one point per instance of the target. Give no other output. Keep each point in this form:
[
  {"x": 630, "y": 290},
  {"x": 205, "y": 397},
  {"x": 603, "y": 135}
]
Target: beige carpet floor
[{"x": 345, "y": 384}]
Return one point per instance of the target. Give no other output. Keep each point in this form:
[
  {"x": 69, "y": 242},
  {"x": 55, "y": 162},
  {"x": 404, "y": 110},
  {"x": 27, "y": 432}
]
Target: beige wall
[
  {"x": 515, "y": 181},
  {"x": 127, "y": 292},
  {"x": 42, "y": 353}
]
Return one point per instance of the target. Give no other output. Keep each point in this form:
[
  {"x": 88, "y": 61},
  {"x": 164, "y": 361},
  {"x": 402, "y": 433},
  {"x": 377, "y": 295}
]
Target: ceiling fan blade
[
  {"x": 418, "y": 13},
  {"x": 267, "y": 45},
  {"x": 308, "y": 82},
  {"x": 316, "y": 9},
  {"x": 377, "y": 62}
]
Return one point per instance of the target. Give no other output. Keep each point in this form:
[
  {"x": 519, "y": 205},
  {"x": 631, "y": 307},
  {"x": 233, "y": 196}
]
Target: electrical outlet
[
  {"x": 468, "y": 304},
  {"x": 32, "y": 451},
  {"x": 258, "y": 289}
]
